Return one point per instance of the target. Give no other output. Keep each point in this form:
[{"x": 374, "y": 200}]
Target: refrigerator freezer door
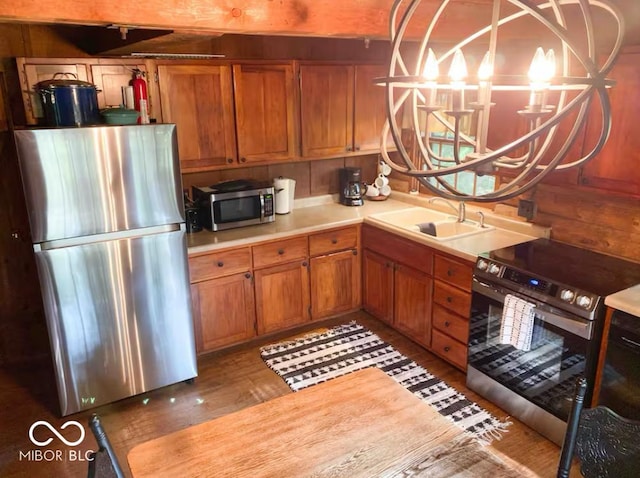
[
  {"x": 85, "y": 181},
  {"x": 119, "y": 317}
]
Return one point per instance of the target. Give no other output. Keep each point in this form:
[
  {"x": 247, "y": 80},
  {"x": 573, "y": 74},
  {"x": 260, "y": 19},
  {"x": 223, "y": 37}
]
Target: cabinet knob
[
  {"x": 449, "y": 299},
  {"x": 447, "y": 348},
  {"x": 388, "y": 264},
  {"x": 355, "y": 252},
  {"x": 348, "y": 148},
  {"x": 357, "y": 148},
  {"x": 447, "y": 323},
  {"x": 449, "y": 272},
  {"x": 280, "y": 251},
  {"x": 243, "y": 160},
  {"x": 229, "y": 160},
  {"x": 334, "y": 241},
  {"x": 248, "y": 275},
  {"x": 304, "y": 264},
  {"x": 220, "y": 263}
]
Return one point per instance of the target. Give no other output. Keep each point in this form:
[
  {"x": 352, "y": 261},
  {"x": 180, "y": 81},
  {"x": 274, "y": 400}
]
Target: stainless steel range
[{"x": 551, "y": 295}]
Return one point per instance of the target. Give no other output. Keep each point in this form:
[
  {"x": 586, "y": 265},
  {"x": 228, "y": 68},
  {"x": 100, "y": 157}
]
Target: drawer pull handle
[
  {"x": 248, "y": 275},
  {"x": 449, "y": 299},
  {"x": 280, "y": 251},
  {"x": 220, "y": 263},
  {"x": 447, "y": 323},
  {"x": 449, "y": 272},
  {"x": 334, "y": 241},
  {"x": 447, "y": 348}
]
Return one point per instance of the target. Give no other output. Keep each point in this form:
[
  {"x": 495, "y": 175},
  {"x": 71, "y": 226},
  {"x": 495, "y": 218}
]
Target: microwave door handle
[{"x": 261, "y": 207}]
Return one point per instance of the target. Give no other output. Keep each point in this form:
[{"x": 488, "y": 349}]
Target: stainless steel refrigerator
[{"x": 107, "y": 223}]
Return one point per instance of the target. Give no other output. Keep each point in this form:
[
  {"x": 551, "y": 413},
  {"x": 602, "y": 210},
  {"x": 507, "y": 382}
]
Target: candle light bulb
[
  {"x": 538, "y": 68},
  {"x": 550, "y": 65},
  {"x": 485, "y": 72},
  {"x": 458, "y": 69},
  {"x": 430, "y": 71}
]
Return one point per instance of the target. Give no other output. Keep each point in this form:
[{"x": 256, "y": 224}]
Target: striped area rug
[{"x": 319, "y": 357}]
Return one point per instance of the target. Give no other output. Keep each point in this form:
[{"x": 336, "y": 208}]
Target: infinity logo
[{"x": 56, "y": 433}]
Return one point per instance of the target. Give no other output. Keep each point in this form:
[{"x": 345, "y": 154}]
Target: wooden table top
[{"x": 362, "y": 424}]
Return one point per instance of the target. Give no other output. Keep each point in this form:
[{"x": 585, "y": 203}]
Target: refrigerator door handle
[{"x": 108, "y": 236}]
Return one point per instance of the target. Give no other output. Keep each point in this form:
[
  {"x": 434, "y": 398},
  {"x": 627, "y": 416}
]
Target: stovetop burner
[{"x": 559, "y": 274}]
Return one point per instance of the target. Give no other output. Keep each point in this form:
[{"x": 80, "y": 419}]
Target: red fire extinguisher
[{"x": 140, "y": 101}]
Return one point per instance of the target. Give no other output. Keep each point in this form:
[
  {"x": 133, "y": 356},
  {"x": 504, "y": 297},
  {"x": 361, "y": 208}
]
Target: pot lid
[{"x": 58, "y": 82}]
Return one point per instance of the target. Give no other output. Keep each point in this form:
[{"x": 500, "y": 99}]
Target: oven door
[{"x": 561, "y": 350}]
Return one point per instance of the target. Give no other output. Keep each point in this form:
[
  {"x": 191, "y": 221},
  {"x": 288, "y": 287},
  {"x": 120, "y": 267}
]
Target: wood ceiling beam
[{"x": 323, "y": 18}]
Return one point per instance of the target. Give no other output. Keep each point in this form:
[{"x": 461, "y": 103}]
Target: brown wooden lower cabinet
[
  {"x": 377, "y": 282},
  {"x": 421, "y": 292},
  {"x": 224, "y": 309},
  {"x": 282, "y": 296},
  {"x": 412, "y": 303},
  {"x": 335, "y": 283}
]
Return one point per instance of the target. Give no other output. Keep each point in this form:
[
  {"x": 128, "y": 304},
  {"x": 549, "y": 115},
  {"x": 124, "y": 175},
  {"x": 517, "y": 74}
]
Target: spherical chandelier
[{"x": 425, "y": 107}]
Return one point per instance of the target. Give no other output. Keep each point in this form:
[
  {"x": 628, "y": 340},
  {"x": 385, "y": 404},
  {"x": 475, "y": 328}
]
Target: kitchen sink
[{"x": 437, "y": 225}]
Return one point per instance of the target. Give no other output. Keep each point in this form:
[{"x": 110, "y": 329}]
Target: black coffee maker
[{"x": 351, "y": 188}]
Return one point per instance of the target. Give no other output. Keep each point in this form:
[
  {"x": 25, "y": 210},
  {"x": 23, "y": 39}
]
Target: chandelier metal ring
[{"x": 416, "y": 92}]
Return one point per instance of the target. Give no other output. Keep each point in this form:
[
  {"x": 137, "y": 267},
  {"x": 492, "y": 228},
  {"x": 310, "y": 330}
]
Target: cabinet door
[
  {"x": 109, "y": 79},
  {"x": 377, "y": 291},
  {"x": 265, "y": 112},
  {"x": 615, "y": 168},
  {"x": 32, "y": 72},
  {"x": 335, "y": 283},
  {"x": 223, "y": 311},
  {"x": 412, "y": 304},
  {"x": 199, "y": 100},
  {"x": 369, "y": 108},
  {"x": 326, "y": 109},
  {"x": 282, "y": 296}
]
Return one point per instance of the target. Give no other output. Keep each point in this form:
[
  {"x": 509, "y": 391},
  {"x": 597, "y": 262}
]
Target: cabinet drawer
[
  {"x": 455, "y": 273},
  {"x": 280, "y": 252},
  {"x": 333, "y": 241},
  {"x": 219, "y": 264},
  {"x": 449, "y": 349},
  {"x": 455, "y": 300},
  {"x": 450, "y": 323},
  {"x": 398, "y": 248}
]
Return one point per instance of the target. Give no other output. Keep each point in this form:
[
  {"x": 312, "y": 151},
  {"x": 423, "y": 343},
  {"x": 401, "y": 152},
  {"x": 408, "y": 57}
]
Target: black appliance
[
  {"x": 620, "y": 386},
  {"x": 351, "y": 188},
  {"x": 567, "y": 286}
]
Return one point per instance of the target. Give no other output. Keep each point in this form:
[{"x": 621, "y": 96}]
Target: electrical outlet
[{"x": 526, "y": 208}]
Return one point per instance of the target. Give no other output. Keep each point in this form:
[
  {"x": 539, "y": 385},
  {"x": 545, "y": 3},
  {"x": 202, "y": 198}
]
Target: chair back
[
  {"x": 104, "y": 463},
  {"x": 606, "y": 444}
]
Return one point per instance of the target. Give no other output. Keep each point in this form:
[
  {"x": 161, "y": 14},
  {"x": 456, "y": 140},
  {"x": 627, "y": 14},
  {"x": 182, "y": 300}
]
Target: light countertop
[
  {"x": 627, "y": 300},
  {"x": 324, "y": 212}
]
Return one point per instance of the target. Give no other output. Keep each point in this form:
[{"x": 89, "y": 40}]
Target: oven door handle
[{"x": 577, "y": 326}]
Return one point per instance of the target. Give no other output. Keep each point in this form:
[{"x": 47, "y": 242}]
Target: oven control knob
[
  {"x": 584, "y": 301},
  {"x": 482, "y": 265},
  {"x": 494, "y": 269},
  {"x": 567, "y": 295}
]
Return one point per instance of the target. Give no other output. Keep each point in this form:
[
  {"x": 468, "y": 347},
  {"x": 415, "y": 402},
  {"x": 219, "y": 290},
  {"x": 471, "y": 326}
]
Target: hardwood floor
[{"x": 228, "y": 381}]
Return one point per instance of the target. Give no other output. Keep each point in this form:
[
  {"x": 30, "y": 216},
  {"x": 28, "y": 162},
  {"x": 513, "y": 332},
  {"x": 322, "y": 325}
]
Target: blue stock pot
[{"x": 68, "y": 102}]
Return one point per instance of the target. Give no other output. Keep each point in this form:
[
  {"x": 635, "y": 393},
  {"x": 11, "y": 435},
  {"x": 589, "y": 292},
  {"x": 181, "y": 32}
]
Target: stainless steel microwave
[{"x": 235, "y": 203}]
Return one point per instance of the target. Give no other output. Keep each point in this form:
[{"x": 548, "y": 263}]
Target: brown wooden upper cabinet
[
  {"x": 615, "y": 168},
  {"x": 369, "y": 109},
  {"x": 265, "y": 112},
  {"x": 342, "y": 110},
  {"x": 32, "y": 71},
  {"x": 198, "y": 98}
]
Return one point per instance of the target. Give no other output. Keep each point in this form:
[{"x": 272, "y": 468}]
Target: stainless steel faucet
[
  {"x": 460, "y": 210},
  {"x": 481, "y": 216}
]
